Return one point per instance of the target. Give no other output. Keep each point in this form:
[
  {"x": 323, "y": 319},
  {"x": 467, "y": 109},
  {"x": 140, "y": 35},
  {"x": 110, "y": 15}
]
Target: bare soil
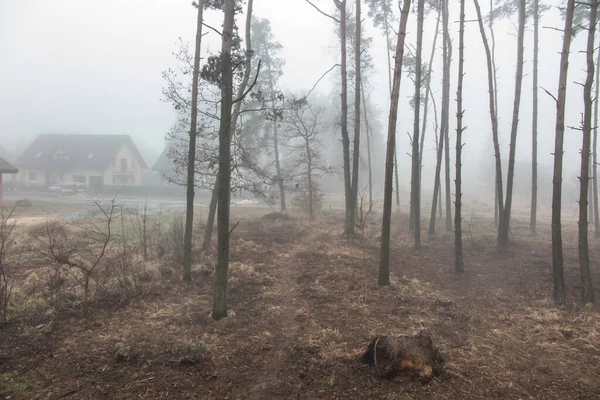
[{"x": 304, "y": 305}]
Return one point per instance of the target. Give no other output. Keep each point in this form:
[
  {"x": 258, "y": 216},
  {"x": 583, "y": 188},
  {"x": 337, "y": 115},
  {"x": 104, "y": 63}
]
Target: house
[
  {"x": 170, "y": 175},
  {"x": 5, "y": 168},
  {"x": 96, "y": 160}
]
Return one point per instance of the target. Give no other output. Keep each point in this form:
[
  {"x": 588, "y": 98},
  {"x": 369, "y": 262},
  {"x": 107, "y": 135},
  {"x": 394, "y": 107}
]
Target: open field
[{"x": 304, "y": 304}]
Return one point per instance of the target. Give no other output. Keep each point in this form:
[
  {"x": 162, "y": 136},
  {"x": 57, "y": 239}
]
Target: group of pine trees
[{"x": 249, "y": 76}]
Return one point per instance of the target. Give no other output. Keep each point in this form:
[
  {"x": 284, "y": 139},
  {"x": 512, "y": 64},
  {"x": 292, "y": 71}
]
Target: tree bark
[
  {"x": 210, "y": 219},
  {"x": 587, "y": 289},
  {"x": 595, "y": 152},
  {"x": 558, "y": 294},
  {"x": 504, "y": 228},
  {"x": 458, "y": 248},
  {"x": 276, "y": 136},
  {"x": 357, "y": 87},
  {"x": 427, "y": 92},
  {"x": 446, "y": 113},
  {"x": 224, "y": 185},
  {"x": 348, "y": 223},
  {"x": 191, "y": 167},
  {"x": 415, "y": 187},
  {"x": 389, "y": 62},
  {"x": 439, "y": 143},
  {"x": 311, "y": 212},
  {"x": 534, "y": 126},
  {"x": 498, "y": 197},
  {"x": 368, "y": 131},
  {"x": 384, "y": 266},
  {"x": 498, "y": 201}
]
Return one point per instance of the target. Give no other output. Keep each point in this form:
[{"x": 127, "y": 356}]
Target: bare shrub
[
  {"x": 300, "y": 198},
  {"x": 172, "y": 238},
  {"x": 7, "y": 226}
]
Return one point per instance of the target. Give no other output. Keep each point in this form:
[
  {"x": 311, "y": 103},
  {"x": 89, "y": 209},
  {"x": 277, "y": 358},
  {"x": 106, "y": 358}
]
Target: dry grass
[{"x": 304, "y": 304}]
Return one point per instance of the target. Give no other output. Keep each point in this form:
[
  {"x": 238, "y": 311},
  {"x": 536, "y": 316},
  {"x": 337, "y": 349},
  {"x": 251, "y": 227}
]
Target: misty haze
[{"x": 269, "y": 199}]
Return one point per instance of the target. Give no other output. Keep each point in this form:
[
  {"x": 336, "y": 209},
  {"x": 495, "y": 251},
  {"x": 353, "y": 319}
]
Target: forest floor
[{"x": 303, "y": 306}]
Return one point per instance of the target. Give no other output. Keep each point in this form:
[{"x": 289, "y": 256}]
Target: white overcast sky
[{"x": 77, "y": 66}]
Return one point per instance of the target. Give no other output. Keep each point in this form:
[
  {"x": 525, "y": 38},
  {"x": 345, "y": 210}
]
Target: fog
[{"x": 69, "y": 67}]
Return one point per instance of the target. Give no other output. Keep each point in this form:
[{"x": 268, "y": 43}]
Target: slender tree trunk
[
  {"x": 558, "y": 294},
  {"x": 534, "y": 144},
  {"x": 191, "y": 167},
  {"x": 357, "y": 86},
  {"x": 384, "y": 266},
  {"x": 458, "y": 248},
  {"x": 415, "y": 190},
  {"x": 368, "y": 129},
  {"x": 220, "y": 291},
  {"x": 275, "y": 135},
  {"x": 210, "y": 219},
  {"x": 595, "y": 151},
  {"x": 277, "y": 162},
  {"x": 498, "y": 199},
  {"x": 504, "y": 228},
  {"x": 437, "y": 181},
  {"x": 427, "y": 92},
  {"x": 446, "y": 113},
  {"x": 311, "y": 212},
  {"x": 440, "y": 143},
  {"x": 499, "y": 206},
  {"x": 214, "y": 198},
  {"x": 389, "y": 64},
  {"x": 348, "y": 224},
  {"x": 587, "y": 289}
]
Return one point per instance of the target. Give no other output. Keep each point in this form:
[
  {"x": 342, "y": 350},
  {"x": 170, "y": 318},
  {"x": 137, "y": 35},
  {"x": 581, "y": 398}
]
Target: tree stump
[{"x": 404, "y": 357}]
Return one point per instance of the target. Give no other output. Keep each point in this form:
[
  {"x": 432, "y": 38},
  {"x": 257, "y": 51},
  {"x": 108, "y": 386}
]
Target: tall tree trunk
[
  {"x": 587, "y": 289},
  {"x": 384, "y": 266},
  {"x": 277, "y": 162},
  {"x": 499, "y": 206},
  {"x": 212, "y": 212},
  {"x": 437, "y": 199},
  {"x": 311, "y": 212},
  {"x": 389, "y": 64},
  {"x": 440, "y": 142},
  {"x": 446, "y": 113},
  {"x": 504, "y": 227},
  {"x": 357, "y": 86},
  {"x": 595, "y": 151},
  {"x": 415, "y": 187},
  {"x": 534, "y": 125},
  {"x": 348, "y": 223},
  {"x": 191, "y": 167},
  {"x": 498, "y": 194},
  {"x": 458, "y": 249},
  {"x": 275, "y": 136},
  {"x": 225, "y": 129},
  {"x": 212, "y": 208},
  {"x": 368, "y": 131},
  {"x": 428, "y": 90},
  {"x": 558, "y": 294}
]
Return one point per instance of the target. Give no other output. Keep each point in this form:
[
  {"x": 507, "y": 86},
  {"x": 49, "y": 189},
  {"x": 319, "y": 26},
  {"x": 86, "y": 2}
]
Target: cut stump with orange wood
[{"x": 404, "y": 357}]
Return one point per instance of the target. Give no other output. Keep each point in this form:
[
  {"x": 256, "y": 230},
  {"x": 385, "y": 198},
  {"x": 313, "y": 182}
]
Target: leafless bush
[
  {"x": 7, "y": 226},
  {"x": 172, "y": 238},
  {"x": 301, "y": 199},
  {"x": 82, "y": 251}
]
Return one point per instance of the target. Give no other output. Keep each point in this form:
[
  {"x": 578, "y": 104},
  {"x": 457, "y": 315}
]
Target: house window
[
  {"x": 79, "y": 178},
  {"x": 32, "y": 175},
  {"x": 114, "y": 163},
  {"x": 123, "y": 165},
  {"x": 133, "y": 162}
]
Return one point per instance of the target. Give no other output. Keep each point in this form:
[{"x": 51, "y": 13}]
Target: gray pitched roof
[
  {"x": 163, "y": 164},
  {"x": 56, "y": 152},
  {"x": 6, "y": 167}
]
